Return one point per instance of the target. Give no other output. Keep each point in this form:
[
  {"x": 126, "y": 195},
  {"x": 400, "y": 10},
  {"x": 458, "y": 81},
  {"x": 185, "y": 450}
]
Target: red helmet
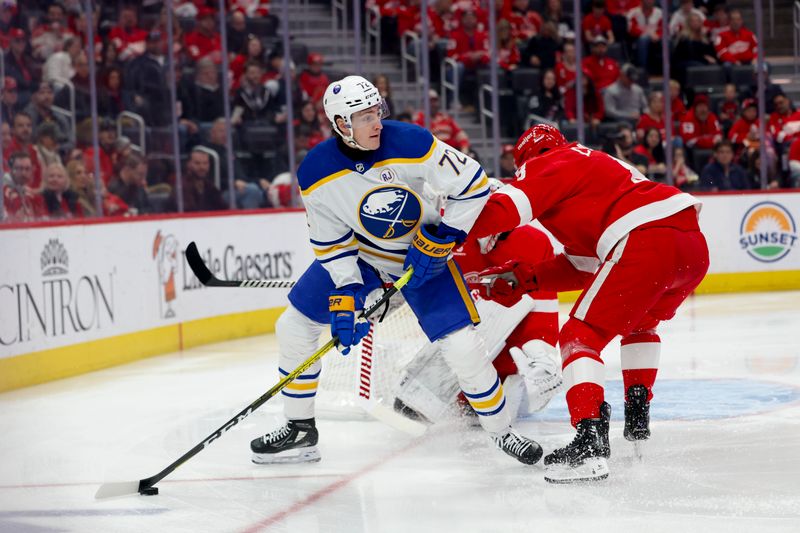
[{"x": 536, "y": 141}]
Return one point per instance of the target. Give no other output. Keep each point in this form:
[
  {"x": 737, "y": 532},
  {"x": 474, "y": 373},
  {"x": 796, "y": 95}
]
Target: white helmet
[{"x": 347, "y": 96}]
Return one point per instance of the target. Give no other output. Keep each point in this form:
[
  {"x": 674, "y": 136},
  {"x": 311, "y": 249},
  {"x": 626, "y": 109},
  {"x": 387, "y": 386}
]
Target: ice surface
[{"x": 723, "y": 456}]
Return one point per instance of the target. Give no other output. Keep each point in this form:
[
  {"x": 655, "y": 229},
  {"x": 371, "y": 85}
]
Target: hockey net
[{"x": 372, "y": 372}]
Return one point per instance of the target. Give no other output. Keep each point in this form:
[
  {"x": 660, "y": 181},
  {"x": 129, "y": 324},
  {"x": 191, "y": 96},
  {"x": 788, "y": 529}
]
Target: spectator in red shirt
[
  {"x": 443, "y": 126},
  {"x": 127, "y": 36},
  {"x": 21, "y": 137},
  {"x": 313, "y": 81},
  {"x": 508, "y": 56},
  {"x": 738, "y": 45},
  {"x": 525, "y": 22},
  {"x": 652, "y": 148},
  {"x": 469, "y": 45},
  {"x": 676, "y": 101},
  {"x": 729, "y": 107},
  {"x": 21, "y": 203},
  {"x": 309, "y": 125},
  {"x": 653, "y": 118},
  {"x": 602, "y": 69},
  {"x": 204, "y": 41},
  {"x": 622, "y": 8},
  {"x": 718, "y": 22},
  {"x": 565, "y": 69},
  {"x": 253, "y": 51},
  {"x": 746, "y": 125},
  {"x": 700, "y": 127},
  {"x": 644, "y": 25},
  {"x": 593, "y": 107},
  {"x": 596, "y": 23},
  {"x": 784, "y": 122}
]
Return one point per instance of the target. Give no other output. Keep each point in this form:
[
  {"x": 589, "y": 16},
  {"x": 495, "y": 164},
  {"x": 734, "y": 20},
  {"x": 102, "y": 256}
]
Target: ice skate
[
  {"x": 295, "y": 442},
  {"x": 637, "y": 414},
  {"x": 585, "y": 458},
  {"x": 521, "y": 448},
  {"x": 637, "y": 419}
]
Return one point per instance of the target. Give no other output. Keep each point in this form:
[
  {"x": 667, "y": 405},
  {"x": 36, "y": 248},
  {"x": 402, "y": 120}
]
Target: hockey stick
[
  {"x": 146, "y": 486},
  {"x": 208, "y": 279}
]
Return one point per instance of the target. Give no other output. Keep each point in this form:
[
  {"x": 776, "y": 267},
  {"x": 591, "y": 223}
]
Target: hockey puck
[{"x": 149, "y": 491}]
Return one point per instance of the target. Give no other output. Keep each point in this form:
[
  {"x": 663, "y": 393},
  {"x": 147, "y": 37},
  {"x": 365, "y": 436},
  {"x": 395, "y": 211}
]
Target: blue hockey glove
[
  {"x": 428, "y": 255},
  {"x": 344, "y": 305}
]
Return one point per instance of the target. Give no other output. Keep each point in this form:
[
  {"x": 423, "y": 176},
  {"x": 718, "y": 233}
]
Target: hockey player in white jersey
[{"x": 382, "y": 196}]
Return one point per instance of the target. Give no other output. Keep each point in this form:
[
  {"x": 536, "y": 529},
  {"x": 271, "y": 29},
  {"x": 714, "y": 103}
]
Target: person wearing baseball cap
[
  {"x": 699, "y": 126},
  {"x": 205, "y": 39},
  {"x": 19, "y": 64},
  {"x": 312, "y": 80},
  {"x": 603, "y": 70},
  {"x": 746, "y": 126}
]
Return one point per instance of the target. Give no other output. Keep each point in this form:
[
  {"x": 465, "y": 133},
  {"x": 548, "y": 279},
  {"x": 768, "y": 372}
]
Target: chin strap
[{"x": 349, "y": 140}]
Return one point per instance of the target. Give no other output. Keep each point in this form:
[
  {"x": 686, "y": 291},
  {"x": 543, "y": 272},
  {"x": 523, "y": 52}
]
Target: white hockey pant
[
  {"x": 298, "y": 338},
  {"x": 465, "y": 354}
]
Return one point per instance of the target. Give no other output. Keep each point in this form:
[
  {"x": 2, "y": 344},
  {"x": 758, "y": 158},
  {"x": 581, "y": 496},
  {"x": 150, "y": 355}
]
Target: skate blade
[
  {"x": 594, "y": 469},
  {"x": 298, "y": 455}
]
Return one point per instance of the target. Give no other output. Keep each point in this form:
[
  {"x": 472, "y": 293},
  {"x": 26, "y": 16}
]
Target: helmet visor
[{"x": 368, "y": 117}]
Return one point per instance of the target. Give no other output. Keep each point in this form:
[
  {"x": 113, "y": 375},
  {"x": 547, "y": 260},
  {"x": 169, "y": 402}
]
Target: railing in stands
[
  {"x": 796, "y": 33},
  {"x": 372, "y": 48},
  {"x": 409, "y": 55},
  {"x": 453, "y": 107},
  {"x": 486, "y": 90},
  {"x": 215, "y": 165},
  {"x": 142, "y": 147},
  {"x": 338, "y": 23},
  {"x": 61, "y": 83}
]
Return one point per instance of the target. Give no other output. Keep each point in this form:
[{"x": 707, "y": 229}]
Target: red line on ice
[{"x": 329, "y": 489}]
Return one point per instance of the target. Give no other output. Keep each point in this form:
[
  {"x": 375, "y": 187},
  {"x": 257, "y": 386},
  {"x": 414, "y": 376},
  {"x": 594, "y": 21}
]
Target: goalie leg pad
[
  {"x": 465, "y": 354},
  {"x": 539, "y": 365},
  {"x": 298, "y": 337}
]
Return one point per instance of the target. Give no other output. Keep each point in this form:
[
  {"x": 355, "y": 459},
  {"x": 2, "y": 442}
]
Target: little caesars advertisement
[{"x": 69, "y": 284}]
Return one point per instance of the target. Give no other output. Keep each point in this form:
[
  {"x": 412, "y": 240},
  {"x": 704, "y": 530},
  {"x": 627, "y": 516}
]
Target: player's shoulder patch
[
  {"x": 405, "y": 142},
  {"x": 320, "y": 163}
]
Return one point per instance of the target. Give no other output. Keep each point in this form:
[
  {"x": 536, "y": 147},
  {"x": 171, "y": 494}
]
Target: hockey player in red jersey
[
  {"x": 632, "y": 246},
  {"x": 529, "y": 350}
]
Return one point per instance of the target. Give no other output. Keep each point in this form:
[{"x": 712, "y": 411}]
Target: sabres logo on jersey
[{"x": 389, "y": 212}]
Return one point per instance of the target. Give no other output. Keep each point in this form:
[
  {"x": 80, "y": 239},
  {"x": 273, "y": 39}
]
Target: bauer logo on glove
[
  {"x": 428, "y": 255},
  {"x": 341, "y": 303},
  {"x": 431, "y": 248}
]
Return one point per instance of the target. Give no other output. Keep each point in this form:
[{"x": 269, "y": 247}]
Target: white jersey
[{"x": 371, "y": 209}]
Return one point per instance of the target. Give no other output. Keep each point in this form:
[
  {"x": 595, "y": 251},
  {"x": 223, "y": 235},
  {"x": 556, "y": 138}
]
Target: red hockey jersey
[{"x": 587, "y": 199}]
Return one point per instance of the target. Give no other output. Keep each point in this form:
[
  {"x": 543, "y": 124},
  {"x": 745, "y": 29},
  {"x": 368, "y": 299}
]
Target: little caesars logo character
[
  {"x": 767, "y": 232},
  {"x": 165, "y": 252}
]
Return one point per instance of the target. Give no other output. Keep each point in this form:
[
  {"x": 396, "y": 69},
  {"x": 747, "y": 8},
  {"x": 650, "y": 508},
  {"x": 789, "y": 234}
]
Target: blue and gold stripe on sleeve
[
  {"x": 478, "y": 186},
  {"x": 489, "y": 402},
  {"x": 303, "y": 386},
  {"x": 327, "y": 251}
]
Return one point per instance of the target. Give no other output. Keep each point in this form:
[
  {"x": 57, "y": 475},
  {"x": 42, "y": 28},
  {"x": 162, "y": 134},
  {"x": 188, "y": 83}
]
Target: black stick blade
[{"x": 197, "y": 265}]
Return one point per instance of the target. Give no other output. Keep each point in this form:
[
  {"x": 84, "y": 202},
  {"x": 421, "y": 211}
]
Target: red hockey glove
[{"x": 507, "y": 283}]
